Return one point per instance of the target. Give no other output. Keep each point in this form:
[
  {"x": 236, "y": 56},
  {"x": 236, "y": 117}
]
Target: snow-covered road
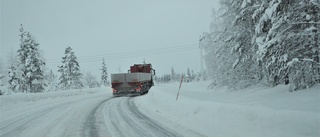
[
  {"x": 120, "y": 117},
  {"x": 87, "y": 115},
  {"x": 123, "y": 119},
  {"x": 52, "y": 117}
]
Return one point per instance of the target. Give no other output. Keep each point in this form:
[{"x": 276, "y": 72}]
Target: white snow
[
  {"x": 272, "y": 8},
  {"x": 48, "y": 114},
  {"x": 308, "y": 17},
  {"x": 310, "y": 29},
  {"x": 244, "y": 3},
  {"x": 235, "y": 63},
  {"x": 284, "y": 58},
  {"x": 292, "y": 61},
  {"x": 256, "y": 112},
  {"x": 18, "y": 99}
]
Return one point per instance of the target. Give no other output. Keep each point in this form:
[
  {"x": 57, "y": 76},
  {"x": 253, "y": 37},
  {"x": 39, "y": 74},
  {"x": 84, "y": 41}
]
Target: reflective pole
[{"x": 180, "y": 85}]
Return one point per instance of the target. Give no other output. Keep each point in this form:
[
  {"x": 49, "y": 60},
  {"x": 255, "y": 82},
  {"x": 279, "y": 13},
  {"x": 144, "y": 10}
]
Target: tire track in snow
[
  {"x": 156, "y": 127},
  {"x": 52, "y": 118},
  {"x": 123, "y": 119},
  {"x": 11, "y": 128},
  {"x": 90, "y": 127}
]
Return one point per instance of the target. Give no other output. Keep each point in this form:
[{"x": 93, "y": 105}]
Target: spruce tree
[
  {"x": 272, "y": 40},
  {"x": 188, "y": 77},
  {"x": 287, "y": 44},
  {"x": 31, "y": 64},
  {"x": 70, "y": 71},
  {"x": 104, "y": 74},
  {"x": 13, "y": 75},
  {"x": 52, "y": 81},
  {"x": 173, "y": 75},
  {"x": 13, "y": 79}
]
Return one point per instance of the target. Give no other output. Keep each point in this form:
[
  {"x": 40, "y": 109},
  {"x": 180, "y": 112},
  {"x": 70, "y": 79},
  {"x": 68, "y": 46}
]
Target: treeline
[
  {"x": 264, "y": 41},
  {"x": 26, "y": 70},
  {"x": 190, "y": 76}
]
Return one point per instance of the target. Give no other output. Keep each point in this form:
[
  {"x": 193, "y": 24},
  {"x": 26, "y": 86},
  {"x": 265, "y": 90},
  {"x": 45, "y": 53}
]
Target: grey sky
[{"x": 163, "y": 32}]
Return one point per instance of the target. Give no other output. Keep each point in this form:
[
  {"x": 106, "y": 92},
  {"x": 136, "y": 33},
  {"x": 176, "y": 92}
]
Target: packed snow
[
  {"x": 219, "y": 112},
  {"x": 62, "y": 113}
]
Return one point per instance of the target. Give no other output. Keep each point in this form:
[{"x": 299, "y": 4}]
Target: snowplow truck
[{"x": 137, "y": 81}]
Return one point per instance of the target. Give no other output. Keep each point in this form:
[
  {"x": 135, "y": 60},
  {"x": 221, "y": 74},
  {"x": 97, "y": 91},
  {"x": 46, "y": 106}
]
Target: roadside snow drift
[
  {"x": 253, "y": 112},
  {"x": 23, "y": 98}
]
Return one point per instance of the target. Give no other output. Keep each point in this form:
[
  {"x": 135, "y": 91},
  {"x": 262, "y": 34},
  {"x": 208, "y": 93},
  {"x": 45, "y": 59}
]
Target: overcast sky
[{"x": 163, "y": 32}]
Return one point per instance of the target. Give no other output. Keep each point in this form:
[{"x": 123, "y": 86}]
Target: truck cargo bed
[{"x": 130, "y": 77}]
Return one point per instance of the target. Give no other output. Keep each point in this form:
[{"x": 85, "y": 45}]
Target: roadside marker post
[{"x": 180, "y": 86}]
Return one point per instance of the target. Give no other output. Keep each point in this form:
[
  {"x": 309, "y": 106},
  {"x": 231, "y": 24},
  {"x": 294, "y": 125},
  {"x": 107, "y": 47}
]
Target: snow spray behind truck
[{"x": 137, "y": 81}]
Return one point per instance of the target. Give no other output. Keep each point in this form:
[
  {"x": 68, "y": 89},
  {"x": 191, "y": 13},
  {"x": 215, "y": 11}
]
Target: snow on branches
[
  {"x": 265, "y": 39},
  {"x": 28, "y": 75},
  {"x": 70, "y": 71}
]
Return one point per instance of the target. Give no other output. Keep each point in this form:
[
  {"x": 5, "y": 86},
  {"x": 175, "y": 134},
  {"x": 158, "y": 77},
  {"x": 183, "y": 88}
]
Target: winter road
[{"x": 92, "y": 115}]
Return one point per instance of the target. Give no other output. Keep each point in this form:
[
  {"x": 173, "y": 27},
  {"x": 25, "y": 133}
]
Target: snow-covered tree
[
  {"x": 104, "y": 74},
  {"x": 2, "y": 73},
  {"x": 272, "y": 51},
  {"x": 13, "y": 75},
  {"x": 166, "y": 78},
  {"x": 272, "y": 40},
  {"x": 31, "y": 64},
  {"x": 188, "y": 78},
  {"x": 13, "y": 79},
  {"x": 3, "y": 77},
  {"x": 236, "y": 64},
  {"x": 173, "y": 75},
  {"x": 193, "y": 75},
  {"x": 51, "y": 81},
  {"x": 285, "y": 36},
  {"x": 91, "y": 81},
  {"x": 70, "y": 71},
  {"x": 221, "y": 46},
  {"x": 303, "y": 34}
]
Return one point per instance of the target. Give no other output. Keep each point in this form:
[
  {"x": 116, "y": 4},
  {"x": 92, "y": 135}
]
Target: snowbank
[
  {"x": 23, "y": 98},
  {"x": 257, "y": 111}
]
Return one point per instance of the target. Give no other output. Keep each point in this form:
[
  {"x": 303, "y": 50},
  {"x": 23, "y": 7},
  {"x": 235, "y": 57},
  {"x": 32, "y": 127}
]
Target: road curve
[
  {"x": 63, "y": 117},
  {"x": 123, "y": 119},
  {"x": 94, "y": 115}
]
